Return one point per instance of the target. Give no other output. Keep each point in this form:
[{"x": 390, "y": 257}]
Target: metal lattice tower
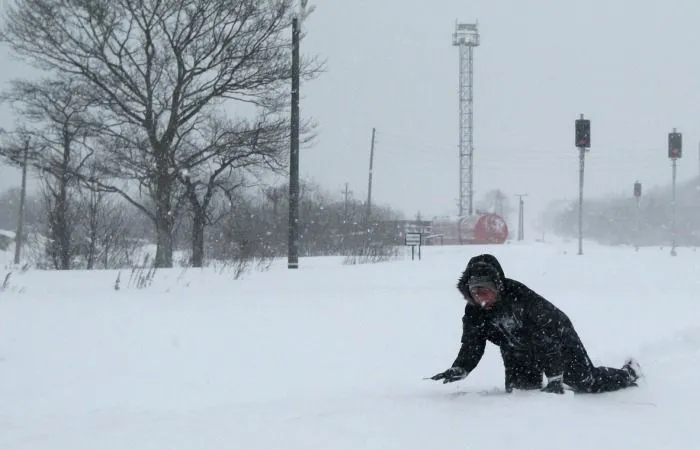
[{"x": 466, "y": 37}]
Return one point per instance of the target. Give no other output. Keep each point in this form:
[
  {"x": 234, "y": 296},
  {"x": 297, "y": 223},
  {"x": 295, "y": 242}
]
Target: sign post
[{"x": 414, "y": 240}]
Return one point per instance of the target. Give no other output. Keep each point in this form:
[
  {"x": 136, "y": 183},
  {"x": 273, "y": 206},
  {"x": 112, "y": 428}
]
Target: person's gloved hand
[
  {"x": 450, "y": 375},
  {"x": 555, "y": 385}
]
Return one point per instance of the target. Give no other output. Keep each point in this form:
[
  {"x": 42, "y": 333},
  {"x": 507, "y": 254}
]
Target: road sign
[{"x": 414, "y": 240}]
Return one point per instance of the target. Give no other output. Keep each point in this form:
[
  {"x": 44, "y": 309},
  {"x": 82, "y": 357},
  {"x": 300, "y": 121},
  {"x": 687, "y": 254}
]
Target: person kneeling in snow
[{"x": 534, "y": 337}]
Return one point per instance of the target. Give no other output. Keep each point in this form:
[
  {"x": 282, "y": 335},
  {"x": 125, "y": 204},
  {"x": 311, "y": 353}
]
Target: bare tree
[
  {"x": 225, "y": 155},
  {"x": 60, "y": 213},
  {"x": 56, "y": 119},
  {"x": 329, "y": 224},
  {"x": 156, "y": 66},
  {"x": 495, "y": 201},
  {"x": 105, "y": 236}
]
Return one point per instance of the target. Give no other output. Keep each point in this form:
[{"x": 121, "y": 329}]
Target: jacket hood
[{"x": 481, "y": 264}]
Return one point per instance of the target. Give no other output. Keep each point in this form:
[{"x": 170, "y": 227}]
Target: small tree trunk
[
  {"x": 198, "y": 224},
  {"x": 92, "y": 249},
  {"x": 165, "y": 217},
  {"x": 63, "y": 233},
  {"x": 164, "y": 239}
]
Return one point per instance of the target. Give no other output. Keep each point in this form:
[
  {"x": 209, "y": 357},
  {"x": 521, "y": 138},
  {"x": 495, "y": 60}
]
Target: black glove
[
  {"x": 450, "y": 375},
  {"x": 555, "y": 385}
]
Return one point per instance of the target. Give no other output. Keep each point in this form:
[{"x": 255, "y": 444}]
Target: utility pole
[
  {"x": 521, "y": 217},
  {"x": 293, "y": 252},
  {"x": 22, "y": 197},
  {"x": 345, "y": 205},
  {"x": 369, "y": 188},
  {"x": 293, "y": 238}
]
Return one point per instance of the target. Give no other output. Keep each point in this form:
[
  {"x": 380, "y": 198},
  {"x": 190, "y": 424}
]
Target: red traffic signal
[
  {"x": 675, "y": 145},
  {"x": 583, "y": 133}
]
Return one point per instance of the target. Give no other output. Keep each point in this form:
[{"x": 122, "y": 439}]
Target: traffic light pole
[
  {"x": 638, "y": 215},
  {"x": 673, "y": 207},
  {"x": 639, "y": 224},
  {"x": 582, "y": 153},
  {"x": 583, "y": 141},
  {"x": 675, "y": 151}
]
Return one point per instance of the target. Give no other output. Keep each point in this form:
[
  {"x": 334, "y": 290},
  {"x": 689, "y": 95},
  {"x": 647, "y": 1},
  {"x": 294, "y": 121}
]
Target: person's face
[{"x": 484, "y": 296}]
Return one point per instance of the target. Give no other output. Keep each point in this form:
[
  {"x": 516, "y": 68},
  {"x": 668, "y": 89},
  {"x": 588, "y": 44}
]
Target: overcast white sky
[{"x": 632, "y": 67}]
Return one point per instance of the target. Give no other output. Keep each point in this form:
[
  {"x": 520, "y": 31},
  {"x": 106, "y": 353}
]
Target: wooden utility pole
[
  {"x": 22, "y": 197},
  {"x": 293, "y": 228},
  {"x": 521, "y": 216},
  {"x": 369, "y": 188}
]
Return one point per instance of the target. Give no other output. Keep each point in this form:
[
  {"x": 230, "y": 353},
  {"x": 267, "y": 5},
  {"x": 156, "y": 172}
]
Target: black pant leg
[
  {"x": 522, "y": 370},
  {"x": 583, "y": 376},
  {"x": 609, "y": 379}
]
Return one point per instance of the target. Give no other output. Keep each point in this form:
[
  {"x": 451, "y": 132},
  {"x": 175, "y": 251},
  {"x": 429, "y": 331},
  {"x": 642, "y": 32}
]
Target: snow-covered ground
[{"x": 333, "y": 356}]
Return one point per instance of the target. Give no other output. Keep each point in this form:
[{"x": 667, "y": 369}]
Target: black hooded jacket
[{"x": 521, "y": 323}]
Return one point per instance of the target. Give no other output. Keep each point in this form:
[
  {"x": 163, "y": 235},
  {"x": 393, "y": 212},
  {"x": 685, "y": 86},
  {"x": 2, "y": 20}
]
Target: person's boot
[{"x": 634, "y": 370}]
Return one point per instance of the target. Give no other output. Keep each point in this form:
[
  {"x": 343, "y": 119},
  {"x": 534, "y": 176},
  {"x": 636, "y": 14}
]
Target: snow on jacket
[{"x": 521, "y": 322}]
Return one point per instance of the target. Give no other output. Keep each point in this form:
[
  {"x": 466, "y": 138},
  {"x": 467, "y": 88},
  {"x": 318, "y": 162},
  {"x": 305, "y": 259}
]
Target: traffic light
[
  {"x": 675, "y": 145},
  {"x": 583, "y": 133},
  {"x": 637, "y": 189}
]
